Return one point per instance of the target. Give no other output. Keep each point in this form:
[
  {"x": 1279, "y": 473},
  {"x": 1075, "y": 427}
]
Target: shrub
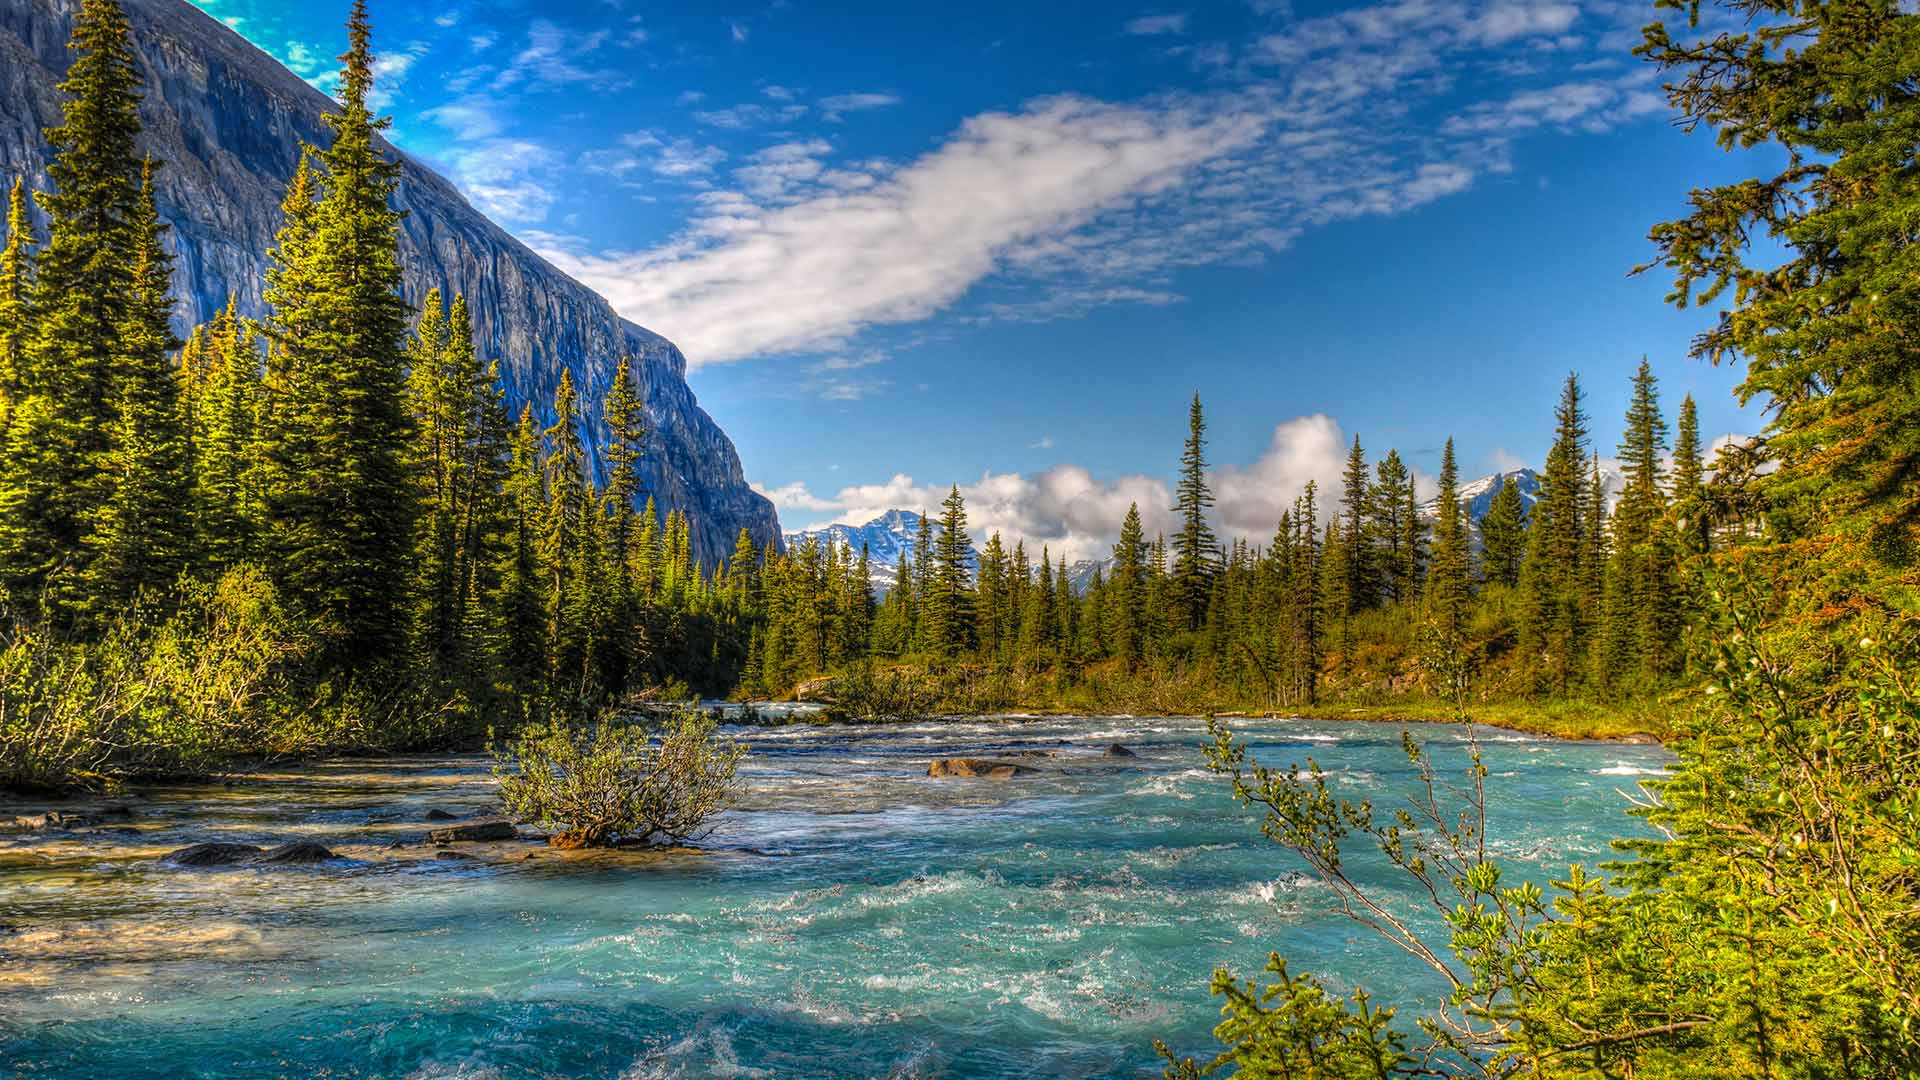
[
  {"x": 619, "y": 781},
  {"x": 206, "y": 683}
]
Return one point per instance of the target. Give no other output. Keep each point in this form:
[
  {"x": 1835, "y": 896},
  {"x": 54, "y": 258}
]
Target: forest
[{"x": 321, "y": 532}]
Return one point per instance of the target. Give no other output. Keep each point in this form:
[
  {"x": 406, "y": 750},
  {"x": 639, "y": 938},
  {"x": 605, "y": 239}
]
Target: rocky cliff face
[{"x": 228, "y": 120}]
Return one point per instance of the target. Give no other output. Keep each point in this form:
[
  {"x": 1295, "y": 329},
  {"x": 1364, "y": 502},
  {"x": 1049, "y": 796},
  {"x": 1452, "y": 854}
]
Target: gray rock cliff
[{"x": 228, "y": 120}]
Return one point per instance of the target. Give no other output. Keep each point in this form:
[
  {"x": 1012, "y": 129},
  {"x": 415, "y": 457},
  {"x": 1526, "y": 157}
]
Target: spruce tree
[
  {"x": 223, "y": 381},
  {"x": 1449, "y": 579},
  {"x": 1358, "y": 558},
  {"x": 951, "y": 609},
  {"x": 1127, "y": 607},
  {"x": 56, "y": 478},
  {"x": 1689, "y": 471},
  {"x": 138, "y": 539},
  {"x": 344, "y": 505},
  {"x": 1195, "y": 559},
  {"x": 1503, "y": 535},
  {"x": 16, "y": 301},
  {"x": 1826, "y": 331},
  {"x": 1554, "y": 591}
]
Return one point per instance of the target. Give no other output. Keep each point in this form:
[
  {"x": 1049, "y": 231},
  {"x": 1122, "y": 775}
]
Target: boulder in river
[
  {"x": 437, "y": 814},
  {"x": 488, "y": 829},
  {"x": 977, "y": 768},
  {"x": 214, "y": 854},
  {"x": 1116, "y": 750},
  {"x": 453, "y": 855},
  {"x": 298, "y": 853}
]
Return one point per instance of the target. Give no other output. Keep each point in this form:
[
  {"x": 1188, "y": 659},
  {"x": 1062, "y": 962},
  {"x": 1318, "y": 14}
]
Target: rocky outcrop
[
  {"x": 216, "y": 854},
  {"x": 978, "y": 769},
  {"x": 228, "y": 121},
  {"x": 492, "y": 829}
]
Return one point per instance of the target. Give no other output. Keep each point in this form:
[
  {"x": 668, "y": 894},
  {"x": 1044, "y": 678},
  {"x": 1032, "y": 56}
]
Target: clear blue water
[{"x": 853, "y": 918}]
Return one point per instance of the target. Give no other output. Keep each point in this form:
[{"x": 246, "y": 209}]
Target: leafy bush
[
  {"x": 615, "y": 780},
  {"x": 207, "y": 682}
]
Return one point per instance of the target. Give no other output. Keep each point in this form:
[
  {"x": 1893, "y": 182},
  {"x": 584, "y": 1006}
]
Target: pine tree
[
  {"x": 921, "y": 600},
  {"x": 16, "y": 301},
  {"x": 1449, "y": 580},
  {"x": 626, "y": 419},
  {"x": 1363, "y": 580},
  {"x": 523, "y": 633},
  {"x": 138, "y": 539},
  {"x": 222, "y": 381},
  {"x": 1395, "y": 529},
  {"x": 950, "y": 611},
  {"x": 344, "y": 505},
  {"x": 1335, "y": 590},
  {"x": 1503, "y": 535},
  {"x": 1195, "y": 558},
  {"x": 1827, "y": 331},
  {"x": 1126, "y": 609},
  {"x": 1689, "y": 471},
  {"x": 56, "y": 477},
  {"x": 1553, "y": 588}
]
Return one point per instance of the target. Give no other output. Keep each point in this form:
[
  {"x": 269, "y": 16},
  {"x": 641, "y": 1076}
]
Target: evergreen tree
[
  {"x": 950, "y": 611},
  {"x": 138, "y": 539},
  {"x": 1335, "y": 592},
  {"x": 1826, "y": 332},
  {"x": 16, "y": 301},
  {"x": 1395, "y": 530},
  {"x": 1358, "y": 557},
  {"x": 1450, "y": 577},
  {"x": 222, "y": 381},
  {"x": 343, "y": 506},
  {"x": 1503, "y": 535},
  {"x": 1689, "y": 471},
  {"x": 1553, "y": 588},
  {"x": 1195, "y": 559},
  {"x": 921, "y": 600},
  {"x": 1126, "y": 607},
  {"x": 56, "y": 478}
]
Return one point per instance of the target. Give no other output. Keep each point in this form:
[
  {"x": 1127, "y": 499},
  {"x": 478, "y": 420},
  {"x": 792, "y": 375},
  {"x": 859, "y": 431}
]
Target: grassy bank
[{"x": 906, "y": 692}]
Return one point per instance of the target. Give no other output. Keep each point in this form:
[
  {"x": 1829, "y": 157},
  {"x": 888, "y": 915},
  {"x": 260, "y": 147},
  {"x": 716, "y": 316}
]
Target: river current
[{"x": 851, "y": 918}]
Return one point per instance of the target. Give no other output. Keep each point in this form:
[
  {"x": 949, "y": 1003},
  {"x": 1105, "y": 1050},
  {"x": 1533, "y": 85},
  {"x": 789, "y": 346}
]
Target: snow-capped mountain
[{"x": 1477, "y": 497}]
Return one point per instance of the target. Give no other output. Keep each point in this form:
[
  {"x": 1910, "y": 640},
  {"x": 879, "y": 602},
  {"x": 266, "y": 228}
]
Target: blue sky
[{"x": 1001, "y": 244}]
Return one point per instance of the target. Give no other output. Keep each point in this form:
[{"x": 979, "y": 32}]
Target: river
[{"x": 851, "y": 918}]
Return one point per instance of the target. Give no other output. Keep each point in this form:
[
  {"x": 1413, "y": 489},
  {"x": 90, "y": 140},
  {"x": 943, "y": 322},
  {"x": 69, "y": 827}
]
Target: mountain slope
[{"x": 228, "y": 120}]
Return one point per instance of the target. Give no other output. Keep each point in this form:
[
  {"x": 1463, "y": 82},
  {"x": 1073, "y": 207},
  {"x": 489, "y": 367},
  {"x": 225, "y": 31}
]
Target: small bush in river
[{"x": 617, "y": 780}]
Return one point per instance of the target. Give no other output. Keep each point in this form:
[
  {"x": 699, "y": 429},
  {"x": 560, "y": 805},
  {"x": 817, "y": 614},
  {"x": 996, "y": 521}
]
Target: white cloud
[
  {"x": 552, "y": 59},
  {"x": 1148, "y": 25},
  {"x": 1072, "y": 512},
  {"x": 751, "y": 279},
  {"x": 833, "y": 108}
]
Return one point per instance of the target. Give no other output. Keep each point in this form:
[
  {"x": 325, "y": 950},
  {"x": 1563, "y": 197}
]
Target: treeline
[
  {"x": 1581, "y": 594},
  {"x": 336, "y": 491}
]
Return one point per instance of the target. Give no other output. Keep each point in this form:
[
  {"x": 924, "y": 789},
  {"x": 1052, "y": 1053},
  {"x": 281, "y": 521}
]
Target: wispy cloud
[
  {"x": 1068, "y": 203},
  {"x": 751, "y": 279},
  {"x": 1151, "y": 25}
]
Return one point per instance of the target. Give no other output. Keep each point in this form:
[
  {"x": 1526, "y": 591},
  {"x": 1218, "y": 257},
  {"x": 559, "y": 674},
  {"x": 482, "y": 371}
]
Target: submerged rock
[
  {"x": 1116, "y": 750},
  {"x": 298, "y": 853},
  {"x": 452, "y": 855},
  {"x": 437, "y": 814},
  {"x": 491, "y": 829},
  {"x": 977, "y": 769},
  {"x": 215, "y": 854}
]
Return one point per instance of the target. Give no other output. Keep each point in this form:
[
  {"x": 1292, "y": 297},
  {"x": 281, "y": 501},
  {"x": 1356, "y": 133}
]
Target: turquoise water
[{"x": 853, "y": 918}]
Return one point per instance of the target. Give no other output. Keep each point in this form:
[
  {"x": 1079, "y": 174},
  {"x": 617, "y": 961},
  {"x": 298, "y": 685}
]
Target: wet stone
[
  {"x": 216, "y": 854},
  {"x": 494, "y": 829},
  {"x": 298, "y": 853},
  {"x": 978, "y": 769}
]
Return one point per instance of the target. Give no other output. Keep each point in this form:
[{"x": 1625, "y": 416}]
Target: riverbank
[{"x": 908, "y": 696}]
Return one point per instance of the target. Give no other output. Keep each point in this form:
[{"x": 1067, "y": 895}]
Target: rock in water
[
  {"x": 228, "y": 121},
  {"x": 298, "y": 853},
  {"x": 977, "y": 769},
  {"x": 1116, "y": 750},
  {"x": 493, "y": 829},
  {"x": 437, "y": 814},
  {"x": 215, "y": 854}
]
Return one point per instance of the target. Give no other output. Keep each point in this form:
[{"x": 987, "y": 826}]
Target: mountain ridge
[{"x": 228, "y": 121}]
